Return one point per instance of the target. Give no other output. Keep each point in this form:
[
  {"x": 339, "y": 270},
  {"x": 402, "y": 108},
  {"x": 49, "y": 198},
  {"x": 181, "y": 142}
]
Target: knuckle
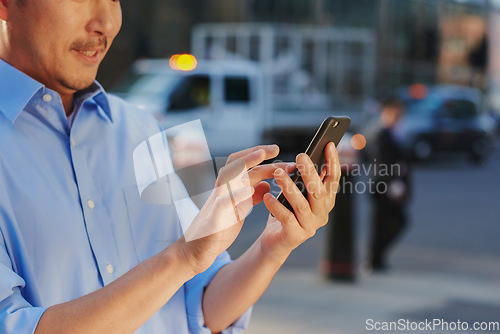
[
  {"x": 289, "y": 218},
  {"x": 303, "y": 207},
  {"x": 320, "y": 194}
]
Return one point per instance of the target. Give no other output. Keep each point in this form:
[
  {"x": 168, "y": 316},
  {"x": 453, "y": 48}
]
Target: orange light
[
  {"x": 183, "y": 62},
  {"x": 173, "y": 62},
  {"x": 358, "y": 142},
  {"x": 418, "y": 91}
]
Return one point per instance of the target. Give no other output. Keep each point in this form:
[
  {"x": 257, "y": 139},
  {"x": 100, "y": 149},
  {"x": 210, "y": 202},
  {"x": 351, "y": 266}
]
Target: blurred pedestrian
[{"x": 392, "y": 179}]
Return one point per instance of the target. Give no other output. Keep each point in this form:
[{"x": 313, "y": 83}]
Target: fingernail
[
  {"x": 259, "y": 152},
  {"x": 301, "y": 156},
  {"x": 271, "y": 147},
  {"x": 270, "y": 196},
  {"x": 279, "y": 172}
]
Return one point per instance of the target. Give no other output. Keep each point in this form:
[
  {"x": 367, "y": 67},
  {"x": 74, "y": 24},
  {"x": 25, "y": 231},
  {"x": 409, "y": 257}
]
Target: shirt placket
[{"x": 97, "y": 220}]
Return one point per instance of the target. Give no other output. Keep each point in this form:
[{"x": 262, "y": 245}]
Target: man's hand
[
  {"x": 286, "y": 230},
  {"x": 239, "y": 186},
  {"x": 239, "y": 284}
]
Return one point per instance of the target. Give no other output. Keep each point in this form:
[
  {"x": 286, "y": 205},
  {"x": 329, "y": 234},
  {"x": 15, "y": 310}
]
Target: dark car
[{"x": 446, "y": 119}]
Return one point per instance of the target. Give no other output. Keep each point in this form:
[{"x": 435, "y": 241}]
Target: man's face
[{"x": 60, "y": 42}]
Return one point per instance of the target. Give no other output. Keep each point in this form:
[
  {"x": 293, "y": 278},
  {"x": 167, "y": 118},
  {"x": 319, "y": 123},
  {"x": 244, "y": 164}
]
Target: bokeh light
[
  {"x": 358, "y": 141},
  {"x": 418, "y": 91},
  {"x": 183, "y": 62}
]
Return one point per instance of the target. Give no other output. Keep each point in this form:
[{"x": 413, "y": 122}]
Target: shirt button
[
  {"x": 47, "y": 97},
  {"x": 72, "y": 142},
  {"x": 91, "y": 204},
  {"x": 110, "y": 269}
]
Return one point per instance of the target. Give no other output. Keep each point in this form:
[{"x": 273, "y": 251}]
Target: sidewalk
[{"x": 462, "y": 288}]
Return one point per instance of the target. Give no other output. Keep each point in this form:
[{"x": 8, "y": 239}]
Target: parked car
[{"x": 445, "y": 118}]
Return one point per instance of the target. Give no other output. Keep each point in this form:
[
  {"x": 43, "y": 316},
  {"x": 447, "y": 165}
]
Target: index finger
[
  {"x": 263, "y": 172},
  {"x": 240, "y": 166},
  {"x": 270, "y": 150}
]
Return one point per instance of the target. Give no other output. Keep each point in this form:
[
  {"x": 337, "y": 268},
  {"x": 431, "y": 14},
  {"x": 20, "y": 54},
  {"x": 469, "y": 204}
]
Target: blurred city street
[{"x": 446, "y": 266}]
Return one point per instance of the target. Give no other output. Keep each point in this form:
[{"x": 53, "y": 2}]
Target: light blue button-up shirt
[{"x": 71, "y": 219}]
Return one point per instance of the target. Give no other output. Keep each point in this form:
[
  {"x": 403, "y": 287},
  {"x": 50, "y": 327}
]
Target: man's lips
[
  {"x": 90, "y": 56},
  {"x": 90, "y": 50},
  {"x": 88, "y": 53}
]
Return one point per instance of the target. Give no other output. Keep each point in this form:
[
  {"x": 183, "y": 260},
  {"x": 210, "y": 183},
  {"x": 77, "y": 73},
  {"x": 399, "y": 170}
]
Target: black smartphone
[{"x": 331, "y": 130}]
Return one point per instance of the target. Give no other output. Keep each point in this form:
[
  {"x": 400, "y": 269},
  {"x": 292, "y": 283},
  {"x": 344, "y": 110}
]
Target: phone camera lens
[{"x": 335, "y": 124}]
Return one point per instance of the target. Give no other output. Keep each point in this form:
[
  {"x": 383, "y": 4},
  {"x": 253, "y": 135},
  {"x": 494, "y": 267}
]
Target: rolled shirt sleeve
[
  {"x": 194, "y": 296},
  {"x": 16, "y": 314}
]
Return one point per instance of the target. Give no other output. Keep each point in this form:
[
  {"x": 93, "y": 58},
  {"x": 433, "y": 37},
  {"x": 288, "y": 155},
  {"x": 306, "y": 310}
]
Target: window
[
  {"x": 192, "y": 92},
  {"x": 237, "y": 89},
  {"x": 459, "y": 109}
]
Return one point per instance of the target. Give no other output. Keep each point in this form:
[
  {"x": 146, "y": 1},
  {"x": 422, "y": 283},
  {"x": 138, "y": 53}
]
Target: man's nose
[{"x": 105, "y": 18}]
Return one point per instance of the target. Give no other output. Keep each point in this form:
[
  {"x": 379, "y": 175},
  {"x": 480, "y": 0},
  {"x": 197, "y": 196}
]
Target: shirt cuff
[{"x": 17, "y": 316}]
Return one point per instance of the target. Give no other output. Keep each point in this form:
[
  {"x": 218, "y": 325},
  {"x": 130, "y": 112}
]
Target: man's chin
[{"x": 77, "y": 84}]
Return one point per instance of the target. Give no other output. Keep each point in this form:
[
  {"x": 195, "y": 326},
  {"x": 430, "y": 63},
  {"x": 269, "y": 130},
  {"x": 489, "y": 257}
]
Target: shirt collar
[
  {"x": 97, "y": 93},
  {"x": 17, "y": 89}
]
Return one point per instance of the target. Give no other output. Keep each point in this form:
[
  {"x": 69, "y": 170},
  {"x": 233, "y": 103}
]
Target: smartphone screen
[{"x": 331, "y": 130}]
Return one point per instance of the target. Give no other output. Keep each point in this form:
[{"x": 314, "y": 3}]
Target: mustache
[{"x": 95, "y": 43}]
